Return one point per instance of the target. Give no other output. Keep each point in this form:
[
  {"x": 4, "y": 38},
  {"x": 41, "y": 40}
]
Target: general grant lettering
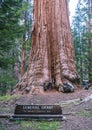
[
  {"x": 46, "y": 107},
  {"x": 30, "y": 107}
]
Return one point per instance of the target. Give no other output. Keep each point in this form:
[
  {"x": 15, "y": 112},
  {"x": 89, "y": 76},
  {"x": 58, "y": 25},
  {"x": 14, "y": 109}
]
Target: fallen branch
[
  {"x": 86, "y": 99},
  {"x": 76, "y": 101}
]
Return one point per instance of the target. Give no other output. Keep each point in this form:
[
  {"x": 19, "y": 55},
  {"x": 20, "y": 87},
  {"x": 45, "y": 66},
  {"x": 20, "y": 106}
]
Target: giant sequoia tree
[{"x": 51, "y": 59}]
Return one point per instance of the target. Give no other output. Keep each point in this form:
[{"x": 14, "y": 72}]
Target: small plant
[
  {"x": 33, "y": 125},
  {"x": 86, "y": 113},
  {"x": 47, "y": 126},
  {"x": 8, "y": 97},
  {"x": 2, "y": 127}
]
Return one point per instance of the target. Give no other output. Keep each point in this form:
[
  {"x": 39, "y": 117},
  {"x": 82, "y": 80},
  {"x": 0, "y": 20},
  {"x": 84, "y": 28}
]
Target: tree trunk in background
[
  {"x": 23, "y": 53},
  {"x": 16, "y": 71},
  {"x": 52, "y": 52},
  {"x": 90, "y": 38}
]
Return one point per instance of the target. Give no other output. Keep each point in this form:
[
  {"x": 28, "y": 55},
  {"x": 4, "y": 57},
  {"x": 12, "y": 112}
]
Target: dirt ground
[{"x": 78, "y": 114}]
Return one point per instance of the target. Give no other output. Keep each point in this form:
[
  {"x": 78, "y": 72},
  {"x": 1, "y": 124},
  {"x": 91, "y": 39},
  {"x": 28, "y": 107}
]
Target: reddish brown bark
[
  {"x": 23, "y": 53},
  {"x": 52, "y": 52}
]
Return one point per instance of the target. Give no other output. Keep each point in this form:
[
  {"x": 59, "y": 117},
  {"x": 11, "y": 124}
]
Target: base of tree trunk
[{"x": 65, "y": 86}]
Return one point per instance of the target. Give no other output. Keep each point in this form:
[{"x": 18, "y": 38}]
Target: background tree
[
  {"x": 81, "y": 38},
  {"x": 9, "y": 31},
  {"x": 12, "y": 30},
  {"x": 52, "y": 53},
  {"x": 27, "y": 22},
  {"x": 89, "y": 26}
]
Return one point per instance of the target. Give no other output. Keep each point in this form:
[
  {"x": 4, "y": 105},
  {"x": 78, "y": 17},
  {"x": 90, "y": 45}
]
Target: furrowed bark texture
[{"x": 52, "y": 52}]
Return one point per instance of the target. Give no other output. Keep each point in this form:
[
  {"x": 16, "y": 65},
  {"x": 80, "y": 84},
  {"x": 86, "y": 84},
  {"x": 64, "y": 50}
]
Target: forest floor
[{"x": 75, "y": 107}]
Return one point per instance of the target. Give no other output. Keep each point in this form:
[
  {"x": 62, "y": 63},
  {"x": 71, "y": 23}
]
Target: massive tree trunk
[{"x": 52, "y": 52}]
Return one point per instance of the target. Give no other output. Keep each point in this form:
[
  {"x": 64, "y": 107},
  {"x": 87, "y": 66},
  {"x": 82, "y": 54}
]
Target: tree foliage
[
  {"x": 12, "y": 29},
  {"x": 81, "y": 37}
]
